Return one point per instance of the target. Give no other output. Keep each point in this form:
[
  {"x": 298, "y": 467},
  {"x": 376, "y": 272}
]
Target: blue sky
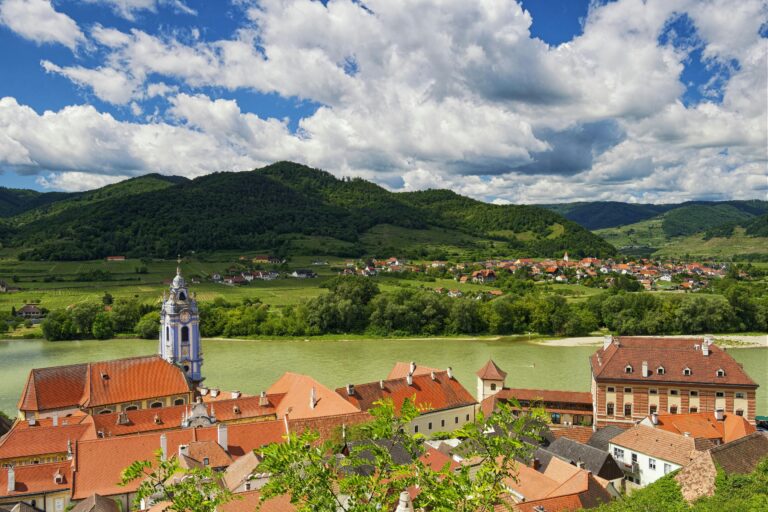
[{"x": 536, "y": 101}]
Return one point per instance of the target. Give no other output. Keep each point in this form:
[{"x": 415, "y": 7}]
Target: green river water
[{"x": 251, "y": 366}]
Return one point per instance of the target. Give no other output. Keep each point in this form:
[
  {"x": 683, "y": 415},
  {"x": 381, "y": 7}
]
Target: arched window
[
  {"x": 131, "y": 408},
  {"x": 687, "y": 372},
  {"x": 720, "y": 373},
  {"x": 493, "y": 386},
  {"x": 660, "y": 370},
  {"x": 185, "y": 334},
  {"x": 167, "y": 333},
  {"x": 182, "y": 296},
  {"x": 628, "y": 368},
  {"x": 178, "y": 401},
  {"x": 105, "y": 411},
  {"x": 155, "y": 405}
]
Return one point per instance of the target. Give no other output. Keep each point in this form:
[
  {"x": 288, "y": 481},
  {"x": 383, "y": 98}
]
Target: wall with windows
[
  {"x": 446, "y": 420},
  {"x": 647, "y": 469},
  {"x": 151, "y": 403}
]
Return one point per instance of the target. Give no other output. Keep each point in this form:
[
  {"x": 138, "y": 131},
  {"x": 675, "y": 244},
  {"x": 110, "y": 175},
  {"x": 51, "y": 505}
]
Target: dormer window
[
  {"x": 628, "y": 368},
  {"x": 687, "y": 372},
  {"x": 720, "y": 373},
  {"x": 660, "y": 370}
]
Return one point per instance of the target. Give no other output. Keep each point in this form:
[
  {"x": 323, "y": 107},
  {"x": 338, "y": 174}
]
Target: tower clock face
[{"x": 184, "y": 316}]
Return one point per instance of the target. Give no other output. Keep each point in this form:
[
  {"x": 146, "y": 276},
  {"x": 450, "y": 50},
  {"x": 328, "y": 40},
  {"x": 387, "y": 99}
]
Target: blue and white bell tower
[{"x": 180, "y": 330}]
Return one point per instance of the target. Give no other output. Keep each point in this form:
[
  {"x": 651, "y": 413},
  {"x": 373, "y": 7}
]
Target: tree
[
  {"x": 103, "y": 326},
  {"x": 165, "y": 481},
  {"x": 148, "y": 326},
  {"x": 107, "y": 299},
  {"x": 319, "y": 480},
  {"x": 58, "y": 326}
]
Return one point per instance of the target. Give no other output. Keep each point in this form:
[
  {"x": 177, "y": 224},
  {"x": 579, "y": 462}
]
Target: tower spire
[{"x": 178, "y": 265}]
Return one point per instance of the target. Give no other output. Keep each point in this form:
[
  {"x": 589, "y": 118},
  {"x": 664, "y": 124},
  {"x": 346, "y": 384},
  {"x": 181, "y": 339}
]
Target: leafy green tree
[
  {"x": 107, "y": 299},
  {"x": 103, "y": 326},
  {"x": 181, "y": 490},
  {"x": 318, "y": 480},
  {"x": 148, "y": 327},
  {"x": 58, "y": 325},
  {"x": 83, "y": 315}
]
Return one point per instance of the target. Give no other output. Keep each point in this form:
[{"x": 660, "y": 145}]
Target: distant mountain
[
  {"x": 607, "y": 214},
  {"x": 15, "y": 201},
  {"x": 285, "y": 208}
]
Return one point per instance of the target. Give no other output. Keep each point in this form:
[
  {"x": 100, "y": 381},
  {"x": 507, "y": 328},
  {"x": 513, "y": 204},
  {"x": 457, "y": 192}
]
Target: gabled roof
[
  {"x": 26, "y": 441},
  {"x": 439, "y": 394},
  {"x": 657, "y": 444},
  {"x": 674, "y": 355},
  {"x": 598, "y": 462},
  {"x": 705, "y": 425},
  {"x": 239, "y": 471},
  {"x": 297, "y": 391},
  {"x": 402, "y": 369},
  {"x": 201, "y": 450},
  {"x": 36, "y": 478},
  {"x": 558, "y": 480},
  {"x": 101, "y": 383},
  {"x": 96, "y": 503},
  {"x": 249, "y": 501},
  {"x": 603, "y": 436},
  {"x": 490, "y": 371},
  {"x": 743, "y": 455}
]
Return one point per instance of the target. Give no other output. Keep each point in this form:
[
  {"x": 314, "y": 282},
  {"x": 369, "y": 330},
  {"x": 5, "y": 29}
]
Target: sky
[{"x": 533, "y": 101}]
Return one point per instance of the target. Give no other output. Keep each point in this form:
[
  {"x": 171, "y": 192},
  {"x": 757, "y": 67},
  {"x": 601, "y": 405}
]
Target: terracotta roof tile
[
  {"x": 36, "y": 478},
  {"x": 491, "y": 372},
  {"x": 298, "y": 388},
  {"x": 576, "y": 433},
  {"x": 57, "y": 387},
  {"x": 25, "y": 441},
  {"x": 401, "y": 370},
  {"x": 249, "y": 501},
  {"x": 201, "y": 450},
  {"x": 657, "y": 443},
  {"x": 96, "y": 503},
  {"x": 674, "y": 355},
  {"x": 705, "y": 425},
  {"x": 438, "y": 394}
]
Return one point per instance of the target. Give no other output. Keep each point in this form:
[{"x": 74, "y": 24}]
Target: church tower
[{"x": 180, "y": 330}]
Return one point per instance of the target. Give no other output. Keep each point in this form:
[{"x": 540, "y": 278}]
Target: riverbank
[{"x": 723, "y": 340}]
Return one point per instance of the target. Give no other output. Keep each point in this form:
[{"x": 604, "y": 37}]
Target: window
[
  {"x": 627, "y": 390},
  {"x": 555, "y": 418},
  {"x": 740, "y": 395},
  {"x": 467, "y": 417},
  {"x": 687, "y": 372},
  {"x": 627, "y": 409},
  {"x": 105, "y": 411},
  {"x": 660, "y": 370},
  {"x": 457, "y": 420},
  {"x": 442, "y": 423},
  {"x": 693, "y": 410},
  {"x": 672, "y": 409},
  {"x": 182, "y": 296},
  {"x": 694, "y": 394},
  {"x": 634, "y": 458},
  {"x": 667, "y": 468},
  {"x": 416, "y": 429},
  {"x": 618, "y": 453},
  {"x": 58, "y": 505},
  {"x": 155, "y": 405},
  {"x": 131, "y": 408},
  {"x": 651, "y": 463},
  {"x": 739, "y": 412},
  {"x": 611, "y": 389},
  {"x": 674, "y": 392},
  {"x": 167, "y": 333},
  {"x": 429, "y": 425},
  {"x": 653, "y": 391},
  {"x": 493, "y": 386},
  {"x": 720, "y": 373},
  {"x": 185, "y": 334},
  {"x": 652, "y": 409},
  {"x": 719, "y": 394},
  {"x": 628, "y": 368},
  {"x": 178, "y": 401},
  {"x": 206, "y": 461},
  {"x": 609, "y": 409}
]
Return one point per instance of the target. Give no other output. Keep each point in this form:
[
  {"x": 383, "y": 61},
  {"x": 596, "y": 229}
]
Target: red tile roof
[
  {"x": 25, "y": 441},
  {"x": 674, "y": 355},
  {"x": 329, "y": 427},
  {"x": 402, "y": 369},
  {"x": 101, "y": 383},
  {"x": 491, "y": 372},
  {"x": 251, "y": 500},
  {"x": 438, "y": 394},
  {"x": 36, "y": 478},
  {"x": 704, "y": 425},
  {"x": 298, "y": 388},
  {"x": 576, "y": 433}
]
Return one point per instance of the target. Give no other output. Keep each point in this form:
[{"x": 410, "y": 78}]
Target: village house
[
  {"x": 647, "y": 454},
  {"x": 715, "y": 427},
  {"x": 444, "y": 403},
  {"x": 483, "y": 276},
  {"x": 635, "y": 377},
  {"x": 563, "y": 408},
  {"x": 40, "y": 486},
  {"x": 44, "y": 441},
  {"x": 30, "y": 312}
]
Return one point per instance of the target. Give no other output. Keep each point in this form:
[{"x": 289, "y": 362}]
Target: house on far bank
[
  {"x": 30, "y": 312},
  {"x": 115, "y": 258},
  {"x": 303, "y": 274}
]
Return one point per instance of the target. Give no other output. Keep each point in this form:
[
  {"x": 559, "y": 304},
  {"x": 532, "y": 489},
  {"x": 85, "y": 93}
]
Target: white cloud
[
  {"x": 129, "y": 8},
  {"x": 76, "y": 181},
  {"x": 38, "y": 21},
  {"x": 107, "y": 83}
]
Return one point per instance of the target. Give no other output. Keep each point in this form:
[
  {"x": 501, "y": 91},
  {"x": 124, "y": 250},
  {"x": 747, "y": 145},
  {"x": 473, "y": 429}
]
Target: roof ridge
[{"x": 415, "y": 376}]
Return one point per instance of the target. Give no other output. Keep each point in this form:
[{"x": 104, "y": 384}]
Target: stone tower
[{"x": 180, "y": 330}]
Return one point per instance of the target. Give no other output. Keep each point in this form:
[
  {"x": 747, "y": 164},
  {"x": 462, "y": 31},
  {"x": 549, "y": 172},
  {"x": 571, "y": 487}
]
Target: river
[{"x": 251, "y": 366}]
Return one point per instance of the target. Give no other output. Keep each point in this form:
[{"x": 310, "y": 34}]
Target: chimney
[
  {"x": 719, "y": 415},
  {"x": 69, "y": 449},
  {"x": 412, "y": 368},
  {"x": 223, "y": 436},
  {"x": 350, "y": 389},
  {"x": 164, "y": 446},
  {"x": 183, "y": 450},
  {"x": 450, "y": 372},
  {"x": 686, "y": 434},
  {"x": 55, "y": 419},
  {"x": 122, "y": 418},
  {"x": 409, "y": 379},
  {"x": 11, "y": 480},
  {"x": 536, "y": 463},
  {"x": 214, "y": 393},
  {"x": 607, "y": 340},
  {"x": 404, "y": 504},
  {"x": 312, "y": 398},
  {"x": 645, "y": 368},
  {"x": 203, "y": 391},
  {"x": 381, "y": 384},
  {"x": 32, "y": 421},
  {"x": 705, "y": 349},
  {"x": 655, "y": 418},
  {"x": 432, "y": 375},
  {"x": 263, "y": 402},
  {"x": 235, "y": 394},
  {"x": 709, "y": 339}
]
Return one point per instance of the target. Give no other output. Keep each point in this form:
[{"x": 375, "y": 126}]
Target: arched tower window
[
  {"x": 182, "y": 296},
  {"x": 167, "y": 333},
  {"x": 185, "y": 334}
]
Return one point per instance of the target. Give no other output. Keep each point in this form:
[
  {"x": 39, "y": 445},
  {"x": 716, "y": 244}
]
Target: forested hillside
[{"x": 270, "y": 209}]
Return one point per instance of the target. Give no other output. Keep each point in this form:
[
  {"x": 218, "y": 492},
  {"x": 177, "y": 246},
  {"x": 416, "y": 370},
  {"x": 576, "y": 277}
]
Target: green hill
[
  {"x": 284, "y": 208},
  {"x": 15, "y": 201},
  {"x": 607, "y": 214}
]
